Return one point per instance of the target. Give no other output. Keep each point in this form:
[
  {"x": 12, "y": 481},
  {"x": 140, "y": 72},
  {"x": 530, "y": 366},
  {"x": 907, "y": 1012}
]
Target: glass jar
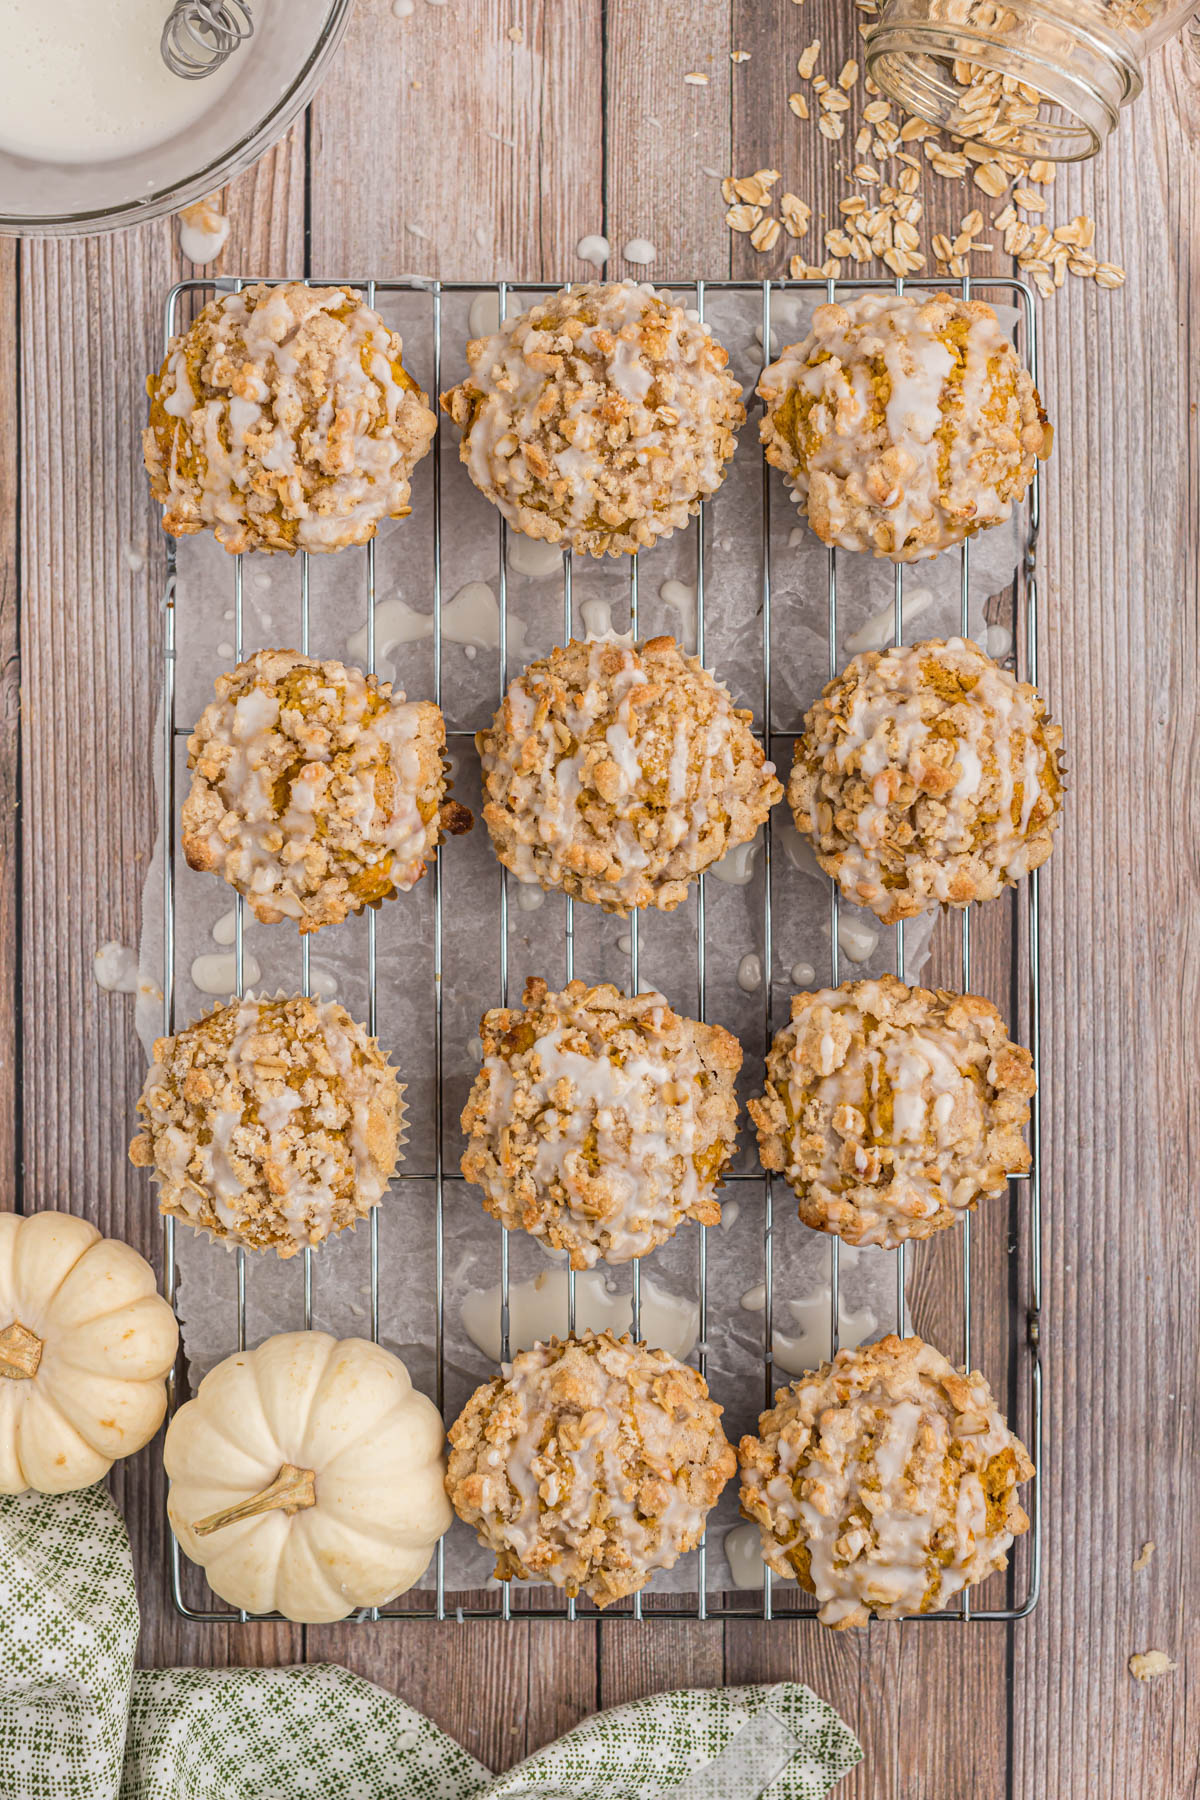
[{"x": 1037, "y": 78}]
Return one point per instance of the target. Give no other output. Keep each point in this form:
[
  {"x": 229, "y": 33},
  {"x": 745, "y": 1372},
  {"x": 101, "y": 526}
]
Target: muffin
[
  {"x": 599, "y": 1123},
  {"x": 270, "y": 1123},
  {"x": 284, "y": 419},
  {"x": 927, "y": 776},
  {"x": 885, "y": 1483},
  {"x": 316, "y": 791},
  {"x": 598, "y": 419},
  {"x": 589, "y": 1464},
  {"x": 903, "y": 425},
  {"x": 889, "y": 1110},
  {"x": 617, "y": 773}
]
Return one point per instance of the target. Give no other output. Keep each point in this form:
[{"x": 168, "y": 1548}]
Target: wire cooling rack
[{"x": 443, "y": 1599}]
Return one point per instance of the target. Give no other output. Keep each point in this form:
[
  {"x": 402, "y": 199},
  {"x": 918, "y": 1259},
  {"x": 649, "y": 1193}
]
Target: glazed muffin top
[
  {"x": 598, "y": 419},
  {"x": 927, "y": 776},
  {"x": 886, "y": 1482},
  {"x": 270, "y": 1123},
  {"x": 890, "y": 1110},
  {"x": 316, "y": 791},
  {"x": 598, "y": 1122},
  {"x": 589, "y": 1463},
  {"x": 618, "y": 773},
  {"x": 903, "y": 425},
  {"x": 284, "y": 419}
]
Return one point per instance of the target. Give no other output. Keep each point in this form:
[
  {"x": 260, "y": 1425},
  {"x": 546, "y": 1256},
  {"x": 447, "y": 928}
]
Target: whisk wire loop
[{"x": 200, "y": 35}]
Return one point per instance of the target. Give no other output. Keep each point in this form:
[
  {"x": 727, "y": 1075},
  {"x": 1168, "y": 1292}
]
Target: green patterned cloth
[{"x": 79, "y": 1722}]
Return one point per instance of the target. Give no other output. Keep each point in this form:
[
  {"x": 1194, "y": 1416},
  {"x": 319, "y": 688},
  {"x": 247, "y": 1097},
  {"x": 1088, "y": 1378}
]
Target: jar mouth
[{"x": 1083, "y": 73}]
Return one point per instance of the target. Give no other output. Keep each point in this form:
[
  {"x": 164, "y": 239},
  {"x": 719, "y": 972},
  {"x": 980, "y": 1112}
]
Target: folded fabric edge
[{"x": 823, "y": 1747}]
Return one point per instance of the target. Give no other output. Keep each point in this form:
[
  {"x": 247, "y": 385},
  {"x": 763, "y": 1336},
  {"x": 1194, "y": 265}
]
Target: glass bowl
[{"x": 271, "y": 78}]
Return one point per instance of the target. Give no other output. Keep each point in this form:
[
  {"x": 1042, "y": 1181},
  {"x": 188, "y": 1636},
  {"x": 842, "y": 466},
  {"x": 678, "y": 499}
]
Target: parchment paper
[{"x": 405, "y": 576}]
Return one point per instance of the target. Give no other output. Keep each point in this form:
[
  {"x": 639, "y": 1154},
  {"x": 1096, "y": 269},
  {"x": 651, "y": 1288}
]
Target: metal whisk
[{"x": 200, "y": 34}]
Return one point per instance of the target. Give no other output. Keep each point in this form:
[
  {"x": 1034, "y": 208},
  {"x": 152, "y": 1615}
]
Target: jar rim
[{"x": 1085, "y": 74}]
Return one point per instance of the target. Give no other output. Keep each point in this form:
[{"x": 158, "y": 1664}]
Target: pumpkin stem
[
  {"x": 291, "y": 1491},
  {"x": 20, "y": 1353}
]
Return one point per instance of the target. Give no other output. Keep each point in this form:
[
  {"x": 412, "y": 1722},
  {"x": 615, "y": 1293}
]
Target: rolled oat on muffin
[
  {"x": 903, "y": 424},
  {"x": 600, "y": 1123},
  {"x": 270, "y": 1123},
  {"x": 927, "y": 776},
  {"x": 618, "y": 773},
  {"x": 589, "y": 1463},
  {"x": 284, "y": 419},
  {"x": 598, "y": 419},
  {"x": 885, "y": 1483},
  {"x": 890, "y": 1110},
  {"x": 316, "y": 791}
]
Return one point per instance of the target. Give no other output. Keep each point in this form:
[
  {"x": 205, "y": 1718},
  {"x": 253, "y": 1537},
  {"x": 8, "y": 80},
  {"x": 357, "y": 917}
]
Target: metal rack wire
[{"x": 776, "y": 1599}]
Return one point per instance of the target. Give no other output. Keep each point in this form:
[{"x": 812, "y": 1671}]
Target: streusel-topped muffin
[
  {"x": 270, "y": 1123},
  {"x": 618, "y": 772},
  {"x": 885, "y": 1483},
  {"x": 284, "y": 419},
  {"x": 598, "y": 419},
  {"x": 589, "y": 1463},
  {"x": 925, "y": 776},
  {"x": 599, "y": 1123},
  {"x": 903, "y": 424},
  {"x": 890, "y": 1110},
  {"x": 316, "y": 791}
]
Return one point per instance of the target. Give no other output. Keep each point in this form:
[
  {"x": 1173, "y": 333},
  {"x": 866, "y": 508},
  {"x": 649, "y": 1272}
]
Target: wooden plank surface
[{"x": 485, "y": 140}]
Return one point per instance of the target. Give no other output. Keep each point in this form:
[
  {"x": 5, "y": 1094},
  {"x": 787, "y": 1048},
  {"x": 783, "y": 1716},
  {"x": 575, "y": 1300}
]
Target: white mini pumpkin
[
  {"x": 86, "y": 1343},
  {"x": 307, "y": 1477}
]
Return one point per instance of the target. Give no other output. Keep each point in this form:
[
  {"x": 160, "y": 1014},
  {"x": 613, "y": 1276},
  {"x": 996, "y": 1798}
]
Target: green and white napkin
[{"x": 79, "y": 1722}]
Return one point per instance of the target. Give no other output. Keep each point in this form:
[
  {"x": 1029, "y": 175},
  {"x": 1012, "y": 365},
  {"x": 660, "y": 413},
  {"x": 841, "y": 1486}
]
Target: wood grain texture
[
  {"x": 669, "y": 141},
  {"x": 92, "y": 580},
  {"x": 10, "y": 733},
  {"x": 1122, "y": 657},
  {"x": 442, "y": 144}
]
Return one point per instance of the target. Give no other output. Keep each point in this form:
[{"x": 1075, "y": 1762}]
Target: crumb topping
[
  {"x": 589, "y": 1463},
  {"x": 890, "y": 1110},
  {"x": 903, "y": 426},
  {"x": 270, "y": 1123},
  {"x": 600, "y": 418},
  {"x": 284, "y": 419},
  {"x": 925, "y": 776},
  {"x": 619, "y": 772},
  {"x": 316, "y": 791},
  {"x": 885, "y": 1483},
  {"x": 599, "y": 1123}
]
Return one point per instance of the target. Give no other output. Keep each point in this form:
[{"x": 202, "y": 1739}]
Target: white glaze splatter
[
  {"x": 471, "y": 617},
  {"x": 736, "y": 867},
  {"x": 639, "y": 251},
  {"x": 594, "y": 249},
  {"x": 217, "y": 974},
  {"x": 224, "y": 931},
  {"x": 115, "y": 967},
  {"x": 750, "y": 973},
  {"x": 484, "y": 316},
  {"x": 742, "y": 1553},
  {"x": 538, "y": 1310},
  {"x": 856, "y": 939},
  {"x": 880, "y": 629},
  {"x": 533, "y": 557},
  {"x": 680, "y": 596},
  {"x": 203, "y": 232}
]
